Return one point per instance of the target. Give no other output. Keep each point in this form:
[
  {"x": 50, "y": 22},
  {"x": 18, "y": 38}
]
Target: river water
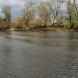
[{"x": 38, "y": 55}]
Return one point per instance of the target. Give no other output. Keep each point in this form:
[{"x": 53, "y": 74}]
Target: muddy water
[{"x": 39, "y": 55}]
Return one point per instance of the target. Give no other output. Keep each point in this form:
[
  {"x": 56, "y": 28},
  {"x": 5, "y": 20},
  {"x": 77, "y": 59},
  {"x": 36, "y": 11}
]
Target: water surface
[{"x": 38, "y": 55}]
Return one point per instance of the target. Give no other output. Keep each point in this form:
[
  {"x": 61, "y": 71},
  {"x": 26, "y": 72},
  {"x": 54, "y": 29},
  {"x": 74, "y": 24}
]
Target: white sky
[{"x": 19, "y": 4}]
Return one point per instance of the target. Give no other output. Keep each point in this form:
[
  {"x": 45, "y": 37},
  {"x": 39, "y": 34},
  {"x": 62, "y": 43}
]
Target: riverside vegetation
[{"x": 42, "y": 17}]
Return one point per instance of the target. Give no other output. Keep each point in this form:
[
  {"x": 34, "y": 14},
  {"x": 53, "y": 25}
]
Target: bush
[
  {"x": 67, "y": 25},
  {"x": 75, "y": 22}
]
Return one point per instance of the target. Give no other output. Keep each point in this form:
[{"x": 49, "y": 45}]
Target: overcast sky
[
  {"x": 17, "y": 5},
  {"x": 21, "y": 3}
]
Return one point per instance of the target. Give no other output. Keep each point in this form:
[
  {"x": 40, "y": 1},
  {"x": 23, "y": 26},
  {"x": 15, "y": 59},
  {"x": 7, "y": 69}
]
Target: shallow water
[{"x": 39, "y": 55}]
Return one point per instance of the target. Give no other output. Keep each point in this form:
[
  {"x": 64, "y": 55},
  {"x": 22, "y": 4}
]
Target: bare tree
[
  {"x": 28, "y": 13},
  {"x": 7, "y": 19},
  {"x": 75, "y": 7},
  {"x": 69, "y": 6},
  {"x": 7, "y": 12}
]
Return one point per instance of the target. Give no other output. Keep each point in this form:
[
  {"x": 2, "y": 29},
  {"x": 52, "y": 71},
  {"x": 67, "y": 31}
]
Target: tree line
[
  {"x": 49, "y": 16},
  {"x": 44, "y": 15}
]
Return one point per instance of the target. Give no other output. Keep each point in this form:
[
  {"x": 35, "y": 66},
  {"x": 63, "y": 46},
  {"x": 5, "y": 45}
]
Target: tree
[
  {"x": 7, "y": 12},
  {"x": 69, "y": 13},
  {"x": 44, "y": 12},
  {"x": 73, "y": 14},
  {"x": 28, "y": 16}
]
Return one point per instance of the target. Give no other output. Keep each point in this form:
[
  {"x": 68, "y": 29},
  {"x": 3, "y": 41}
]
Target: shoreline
[{"x": 51, "y": 29}]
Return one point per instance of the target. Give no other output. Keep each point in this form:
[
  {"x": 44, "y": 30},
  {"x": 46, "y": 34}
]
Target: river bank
[{"x": 44, "y": 29}]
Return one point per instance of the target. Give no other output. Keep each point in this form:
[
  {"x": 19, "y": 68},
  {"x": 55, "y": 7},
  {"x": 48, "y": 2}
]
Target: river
[{"x": 38, "y": 55}]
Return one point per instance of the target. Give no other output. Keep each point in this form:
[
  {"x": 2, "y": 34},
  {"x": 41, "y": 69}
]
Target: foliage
[
  {"x": 7, "y": 13},
  {"x": 73, "y": 14}
]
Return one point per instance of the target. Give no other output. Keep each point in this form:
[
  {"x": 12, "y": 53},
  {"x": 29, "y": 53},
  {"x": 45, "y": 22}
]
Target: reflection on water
[
  {"x": 39, "y": 55},
  {"x": 72, "y": 56}
]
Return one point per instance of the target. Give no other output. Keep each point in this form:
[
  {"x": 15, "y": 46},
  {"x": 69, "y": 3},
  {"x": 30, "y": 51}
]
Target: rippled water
[{"x": 39, "y": 55}]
